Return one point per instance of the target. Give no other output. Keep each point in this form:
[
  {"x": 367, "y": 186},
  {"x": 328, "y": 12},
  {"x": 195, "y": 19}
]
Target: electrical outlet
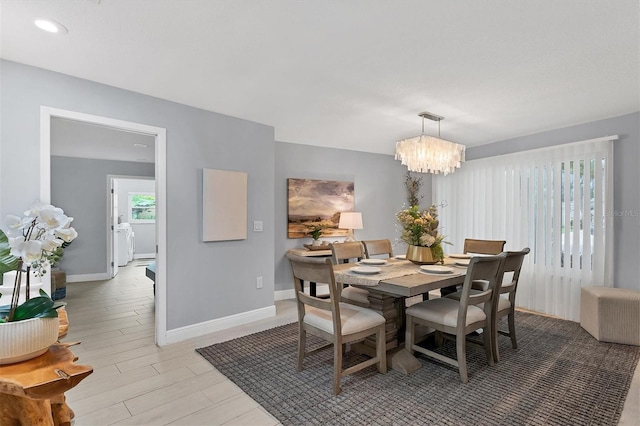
[
  {"x": 257, "y": 226},
  {"x": 258, "y": 282}
]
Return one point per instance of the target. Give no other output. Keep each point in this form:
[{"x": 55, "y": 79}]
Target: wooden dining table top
[{"x": 411, "y": 284}]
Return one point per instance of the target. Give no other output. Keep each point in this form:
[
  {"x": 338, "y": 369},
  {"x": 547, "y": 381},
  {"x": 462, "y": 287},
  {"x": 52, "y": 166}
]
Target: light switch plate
[{"x": 257, "y": 226}]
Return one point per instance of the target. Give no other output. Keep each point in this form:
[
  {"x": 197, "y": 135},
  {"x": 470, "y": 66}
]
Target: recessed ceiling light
[
  {"x": 50, "y": 26},
  {"x": 140, "y": 145}
]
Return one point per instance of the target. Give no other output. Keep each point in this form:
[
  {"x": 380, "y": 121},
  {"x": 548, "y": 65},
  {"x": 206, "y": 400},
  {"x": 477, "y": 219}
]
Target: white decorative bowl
[{"x": 23, "y": 340}]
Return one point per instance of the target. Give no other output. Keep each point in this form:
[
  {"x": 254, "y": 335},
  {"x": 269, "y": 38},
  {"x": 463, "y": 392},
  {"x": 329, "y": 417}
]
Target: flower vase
[
  {"x": 23, "y": 340},
  {"x": 421, "y": 255}
]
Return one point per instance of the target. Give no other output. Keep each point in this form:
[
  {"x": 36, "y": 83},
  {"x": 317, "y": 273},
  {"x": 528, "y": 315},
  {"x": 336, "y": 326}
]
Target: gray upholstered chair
[
  {"x": 344, "y": 253},
  {"x": 506, "y": 305},
  {"x": 336, "y": 322},
  {"x": 503, "y": 306},
  {"x": 460, "y": 317},
  {"x": 377, "y": 248}
]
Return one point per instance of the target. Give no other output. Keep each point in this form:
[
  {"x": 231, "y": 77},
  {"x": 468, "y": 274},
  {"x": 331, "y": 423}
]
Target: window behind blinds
[{"x": 553, "y": 200}]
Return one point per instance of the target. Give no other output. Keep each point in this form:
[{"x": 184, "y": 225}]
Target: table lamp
[{"x": 350, "y": 221}]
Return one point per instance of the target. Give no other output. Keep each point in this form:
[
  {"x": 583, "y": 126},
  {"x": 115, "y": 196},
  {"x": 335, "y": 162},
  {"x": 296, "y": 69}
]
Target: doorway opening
[{"x": 47, "y": 114}]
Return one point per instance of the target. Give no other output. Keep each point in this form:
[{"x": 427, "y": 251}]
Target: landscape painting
[{"x": 318, "y": 202}]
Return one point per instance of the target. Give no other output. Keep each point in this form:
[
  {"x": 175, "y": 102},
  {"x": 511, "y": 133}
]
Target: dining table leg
[{"x": 392, "y": 309}]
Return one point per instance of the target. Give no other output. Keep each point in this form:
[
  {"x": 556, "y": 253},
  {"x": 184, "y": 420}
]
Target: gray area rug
[{"x": 559, "y": 375}]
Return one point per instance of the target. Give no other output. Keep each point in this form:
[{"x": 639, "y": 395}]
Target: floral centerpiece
[
  {"x": 31, "y": 244},
  {"x": 420, "y": 229}
]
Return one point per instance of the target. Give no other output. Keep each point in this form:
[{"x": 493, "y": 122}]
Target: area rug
[{"x": 559, "y": 375}]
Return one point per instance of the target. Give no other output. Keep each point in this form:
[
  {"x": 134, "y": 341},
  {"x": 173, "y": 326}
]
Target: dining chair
[
  {"x": 377, "y": 247},
  {"x": 459, "y": 317},
  {"x": 483, "y": 246},
  {"x": 336, "y": 322},
  {"x": 479, "y": 247},
  {"x": 503, "y": 306},
  {"x": 507, "y": 305},
  {"x": 344, "y": 253}
]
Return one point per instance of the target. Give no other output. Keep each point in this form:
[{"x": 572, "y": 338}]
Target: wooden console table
[{"x": 32, "y": 391}]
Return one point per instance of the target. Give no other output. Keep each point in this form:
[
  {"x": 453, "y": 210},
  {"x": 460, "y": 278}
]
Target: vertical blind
[{"x": 556, "y": 201}]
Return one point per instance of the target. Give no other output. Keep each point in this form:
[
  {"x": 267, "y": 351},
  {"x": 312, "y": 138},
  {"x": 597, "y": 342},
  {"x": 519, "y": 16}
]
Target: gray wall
[
  {"x": 145, "y": 233},
  {"x": 79, "y": 187},
  {"x": 379, "y": 193},
  {"x": 205, "y": 281},
  {"x": 626, "y": 181}
]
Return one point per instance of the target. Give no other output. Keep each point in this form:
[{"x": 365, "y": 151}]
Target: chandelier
[{"x": 428, "y": 154}]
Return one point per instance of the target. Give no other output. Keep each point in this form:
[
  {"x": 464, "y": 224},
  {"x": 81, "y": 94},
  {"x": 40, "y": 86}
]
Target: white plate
[
  {"x": 462, "y": 262},
  {"x": 373, "y": 261},
  {"x": 365, "y": 270},
  {"x": 400, "y": 256},
  {"x": 460, "y": 256},
  {"x": 436, "y": 269}
]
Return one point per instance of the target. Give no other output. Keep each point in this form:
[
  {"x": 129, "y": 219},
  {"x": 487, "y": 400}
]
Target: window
[
  {"x": 553, "y": 200},
  {"x": 142, "y": 207}
]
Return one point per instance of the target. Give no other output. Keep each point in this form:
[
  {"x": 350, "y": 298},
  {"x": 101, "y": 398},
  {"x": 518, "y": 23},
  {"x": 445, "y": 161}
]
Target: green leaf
[
  {"x": 8, "y": 262},
  {"x": 48, "y": 314},
  {"x": 58, "y": 304},
  {"x": 32, "y": 307}
]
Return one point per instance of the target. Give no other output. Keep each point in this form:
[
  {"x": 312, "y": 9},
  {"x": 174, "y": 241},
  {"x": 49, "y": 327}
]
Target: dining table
[{"x": 392, "y": 283}]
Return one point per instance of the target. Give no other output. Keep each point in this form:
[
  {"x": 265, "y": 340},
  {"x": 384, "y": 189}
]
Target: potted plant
[
  {"x": 30, "y": 244},
  {"x": 315, "y": 232}
]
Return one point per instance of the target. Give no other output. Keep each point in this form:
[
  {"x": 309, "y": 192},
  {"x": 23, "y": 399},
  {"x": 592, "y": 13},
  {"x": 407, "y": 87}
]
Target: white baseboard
[
  {"x": 291, "y": 294},
  {"x": 196, "y": 330},
  {"x": 87, "y": 277},
  {"x": 144, "y": 256}
]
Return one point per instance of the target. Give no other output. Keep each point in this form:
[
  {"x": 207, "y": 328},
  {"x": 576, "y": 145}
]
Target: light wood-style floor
[{"x": 136, "y": 382}]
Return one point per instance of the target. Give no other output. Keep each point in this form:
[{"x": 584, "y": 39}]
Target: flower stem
[{"x": 15, "y": 297}]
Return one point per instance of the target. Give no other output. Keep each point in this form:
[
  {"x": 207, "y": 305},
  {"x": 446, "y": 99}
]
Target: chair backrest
[
  {"x": 377, "y": 247},
  {"x": 305, "y": 270},
  {"x": 343, "y": 252},
  {"x": 513, "y": 263},
  {"x": 489, "y": 269},
  {"x": 483, "y": 246}
]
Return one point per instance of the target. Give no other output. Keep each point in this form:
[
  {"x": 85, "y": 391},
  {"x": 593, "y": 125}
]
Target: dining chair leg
[
  {"x": 381, "y": 350},
  {"x": 461, "y": 350},
  {"x": 489, "y": 337},
  {"x": 337, "y": 367},
  {"x": 302, "y": 340},
  {"x": 512, "y": 329},
  {"x": 408, "y": 334}
]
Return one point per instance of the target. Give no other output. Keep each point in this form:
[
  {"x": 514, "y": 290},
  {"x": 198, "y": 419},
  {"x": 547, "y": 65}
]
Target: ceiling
[
  {"x": 71, "y": 138},
  {"x": 352, "y": 74}
]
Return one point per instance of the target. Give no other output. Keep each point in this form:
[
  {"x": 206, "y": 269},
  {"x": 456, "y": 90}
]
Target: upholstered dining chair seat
[
  {"x": 353, "y": 319},
  {"x": 503, "y": 303},
  {"x": 355, "y": 294},
  {"x": 445, "y": 311}
]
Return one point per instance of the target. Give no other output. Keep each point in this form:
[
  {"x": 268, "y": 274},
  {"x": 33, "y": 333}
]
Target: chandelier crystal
[{"x": 430, "y": 154}]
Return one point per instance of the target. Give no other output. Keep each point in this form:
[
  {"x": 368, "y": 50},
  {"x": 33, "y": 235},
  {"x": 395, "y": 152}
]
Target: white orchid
[
  {"x": 37, "y": 238},
  {"x": 66, "y": 234}
]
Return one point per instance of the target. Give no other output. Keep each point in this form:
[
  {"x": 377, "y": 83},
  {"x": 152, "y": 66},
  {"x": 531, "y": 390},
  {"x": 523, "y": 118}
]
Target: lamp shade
[{"x": 350, "y": 220}]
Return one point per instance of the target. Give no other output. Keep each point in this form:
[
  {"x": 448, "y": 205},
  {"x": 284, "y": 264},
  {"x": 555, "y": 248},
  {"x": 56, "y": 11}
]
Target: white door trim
[{"x": 160, "y": 134}]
